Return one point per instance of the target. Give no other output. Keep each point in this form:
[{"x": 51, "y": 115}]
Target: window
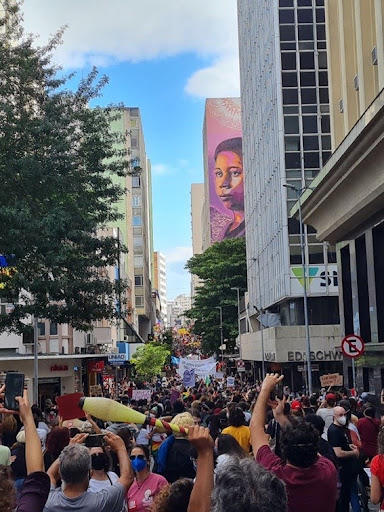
[
  {"x": 320, "y": 32},
  {"x": 287, "y": 16},
  {"x": 291, "y": 124},
  {"x": 322, "y": 60},
  {"x": 324, "y": 109},
  {"x": 139, "y": 301},
  {"x": 289, "y": 79},
  {"x": 137, "y": 231},
  {"x": 323, "y": 78},
  {"x": 138, "y": 280},
  {"x": 323, "y": 95},
  {"x": 135, "y": 181},
  {"x": 310, "y": 143},
  {"x": 326, "y": 142},
  {"x": 292, "y": 143},
  {"x": 134, "y": 142},
  {"x": 305, "y": 33},
  {"x": 306, "y": 45},
  {"x": 311, "y": 160},
  {"x": 304, "y": 3},
  {"x": 309, "y": 109},
  {"x": 293, "y": 160},
  {"x": 293, "y": 174},
  {"x": 320, "y": 15},
  {"x": 325, "y": 124},
  {"x": 133, "y": 123},
  {"x": 134, "y": 111},
  {"x": 136, "y": 220},
  {"x": 41, "y": 328},
  {"x": 288, "y": 60},
  {"x": 321, "y": 45},
  {"x": 316, "y": 253},
  {"x": 307, "y": 60},
  {"x": 287, "y": 33},
  {"x": 326, "y": 156},
  {"x": 138, "y": 261},
  {"x": 304, "y": 15},
  {"x": 331, "y": 254},
  {"x": 319, "y": 2},
  {"x": 286, "y": 3},
  {"x": 295, "y": 254},
  {"x": 310, "y": 124},
  {"x": 137, "y": 241},
  {"x": 53, "y": 329},
  {"x": 307, "y": 78},
  {"x": 136, "y": 201},
  {"x": 290, "y": 96},
  {"x": 308, "y": 96},
  {"x": 291, "y": 109},
  {"x": 288, "y": 46},
  {"x": 293, "y": 226}
]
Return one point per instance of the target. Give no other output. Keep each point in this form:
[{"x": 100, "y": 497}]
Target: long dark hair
[{"x": 228, "y": 445}]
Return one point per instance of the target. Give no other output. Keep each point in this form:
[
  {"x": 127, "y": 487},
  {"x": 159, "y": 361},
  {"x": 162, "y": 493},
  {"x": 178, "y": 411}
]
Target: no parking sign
[{"x": 353, "y": 346}]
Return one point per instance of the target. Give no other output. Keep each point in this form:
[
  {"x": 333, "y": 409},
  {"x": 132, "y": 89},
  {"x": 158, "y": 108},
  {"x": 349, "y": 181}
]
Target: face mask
[
  {"x": 100, "y": 461},
  {"x": 138, "y": 464},
  {"x": 341, "y": 420}
]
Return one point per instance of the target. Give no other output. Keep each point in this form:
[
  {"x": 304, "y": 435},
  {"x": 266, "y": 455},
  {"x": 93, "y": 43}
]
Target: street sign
[
  {"x": 240, "y": 365},
  {"x": 352, "y": 346}
]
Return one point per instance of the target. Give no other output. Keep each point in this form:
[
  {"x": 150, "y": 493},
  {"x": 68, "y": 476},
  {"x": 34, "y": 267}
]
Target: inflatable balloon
[{"x": 109, "y": 410}]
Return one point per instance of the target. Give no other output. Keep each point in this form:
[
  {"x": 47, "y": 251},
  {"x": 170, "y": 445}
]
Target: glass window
[
  {"x": 311, "y": 160},
  {"x": 295, "y": 239},
  {"x": 286, "y": 3},
  {"x": 138, "y": 261},
  {"x": 287, "y": 33},
  {"x": 137, "y": 241},
  {"x": 310, "y": 124},
  {"x": 293, "y": 174},
  {"x": 291, "y": 109},
  {"x": 135, "y": 181},
  {"x": 323, "y": 95},
  {"x": 136, "y": 201},
  {"x": 292, "y": 160},
  {"x": 320, "y": 15},
  {"x": 325, "y": 156},
  {"x": 137, "y": 231},
  {"x": 295, "y": 254},
  {"x": 288, "y": 46},
  {"x": 326, "y": 142},
  {"x": 320, "y": 29},
  {"x": 332, "y": 254},
  {"x": 288, "y": 60},
  {"x": 324, "y": 109},
  {"x": 53, "y": 329},
  {"x": 138, "y": 280},
  {"x": 136, "y": 220},
  {"x": 304, "y": 15},
  {"x": 310, "y": 174},
  {"x": 306, "y": 45},
  {"x": 319, "y": 2},
  {"x": 308, "y": 96},
  {"x": 316, "y": 254},
  {"x": 322, "y": 45},
  {"x": 41, "y": 328},
  {"x": 325, "y": 125},
  {"x": 309, "y": 109},
  {"x": 287, "y": 16},
  {"x": 307, "y": 78},
  {"x": 307, "y": 60},
  {"x": 304, "y": 3},
  {"x": 292, "y": 143},
  {"x": 323, "y": 78},
  {"x": 291, "y": 124},
  {"x": 322, "y": 60},
  {"x": 305, "y": 32},
  {"x": 289, "y": 79},
  {"x": 293, "y": 226},
  {"x": 290, "y": 96},
  {"x": 310, "y": 142},
  {"x": 139, "y": 301}
]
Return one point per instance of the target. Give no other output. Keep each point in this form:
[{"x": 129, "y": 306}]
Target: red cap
[
  {"x": 330, "y": 396},
  {"x": 296, "y": 405}
]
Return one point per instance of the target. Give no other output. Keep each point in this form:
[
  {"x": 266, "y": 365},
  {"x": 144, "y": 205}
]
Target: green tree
[
  {"x": 221, "y": 267},
  {"x": 149, "y": 360},
  {"x": 57, "y": 162}
]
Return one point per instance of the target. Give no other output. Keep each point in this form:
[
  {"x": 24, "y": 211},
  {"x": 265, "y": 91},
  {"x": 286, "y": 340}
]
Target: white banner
[
  {"x": 202, "y": 367},
  {"x": 141, "y": 394}
]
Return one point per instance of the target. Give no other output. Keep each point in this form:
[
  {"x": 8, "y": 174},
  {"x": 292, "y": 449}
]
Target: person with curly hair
[
  {"x": 174, "y": 497},
  {"x": 377, "y": 472},
  {"x": 7, "y": 491}
]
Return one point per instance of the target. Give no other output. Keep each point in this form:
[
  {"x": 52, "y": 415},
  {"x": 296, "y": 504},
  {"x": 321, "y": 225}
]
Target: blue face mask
[{"x": 138, "y": 464}]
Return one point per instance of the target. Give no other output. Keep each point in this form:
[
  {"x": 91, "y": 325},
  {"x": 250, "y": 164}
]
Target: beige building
[
  {"x": 347, "y": 206},
  {"x": 197, "y": 211},
  {"x": 160, "y": 285}
]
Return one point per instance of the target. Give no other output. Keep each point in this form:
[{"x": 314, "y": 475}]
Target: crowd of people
[{"x": 248, "y": 449}]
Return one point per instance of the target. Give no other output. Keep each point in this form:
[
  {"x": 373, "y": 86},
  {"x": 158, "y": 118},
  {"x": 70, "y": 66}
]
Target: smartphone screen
[
  {"x": 94, "y": 440},
  {"x": 14, "y": 386}
]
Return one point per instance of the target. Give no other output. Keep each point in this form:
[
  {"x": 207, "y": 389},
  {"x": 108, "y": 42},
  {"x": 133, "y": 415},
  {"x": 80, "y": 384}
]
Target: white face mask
[{"x": 341, "y": 420}]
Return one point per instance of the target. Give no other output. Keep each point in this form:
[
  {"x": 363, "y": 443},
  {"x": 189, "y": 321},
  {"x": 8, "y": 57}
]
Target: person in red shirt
[
  {"x": 310, "y": 479},
  {"x": 377, "y": 472},
  {"x": 368, "y": 428}
]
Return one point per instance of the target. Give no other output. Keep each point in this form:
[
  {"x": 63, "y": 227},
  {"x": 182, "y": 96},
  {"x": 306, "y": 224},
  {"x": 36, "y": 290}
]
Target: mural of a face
[{"x": 229, "y": 180}]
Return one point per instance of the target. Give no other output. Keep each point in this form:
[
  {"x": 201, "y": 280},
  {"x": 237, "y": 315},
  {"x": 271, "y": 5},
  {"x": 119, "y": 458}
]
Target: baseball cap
[
  {"x": 295, "y": 405},
  {"x": 330, "y": 396}
]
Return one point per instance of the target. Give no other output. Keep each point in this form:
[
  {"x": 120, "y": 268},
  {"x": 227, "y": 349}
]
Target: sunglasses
[{"x": 140, "y": 457}]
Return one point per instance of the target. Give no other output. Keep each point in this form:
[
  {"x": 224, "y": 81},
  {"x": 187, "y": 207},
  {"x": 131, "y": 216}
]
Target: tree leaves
[{"x": 149, "y": 359}]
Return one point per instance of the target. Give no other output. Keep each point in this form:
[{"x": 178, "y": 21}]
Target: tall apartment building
[
  {"x": 160, "y": 284},
  {"x": 136, "y": 224},
  {"x": 346, "y": 205},
  {"x": 286, "y": 140},
  {"x": 197, "y": 220},
  {"x": 176, "y": 309}
]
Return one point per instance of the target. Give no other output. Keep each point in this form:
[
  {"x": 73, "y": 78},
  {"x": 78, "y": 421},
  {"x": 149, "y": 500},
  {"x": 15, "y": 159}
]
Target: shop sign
[
  {"x": 270, "y": 356},
  {"x": 319, "y": 355},
  {"x": 319, "y": 279},
  {"x": 59, "y": 368},
  {"x": 96, "y": 366},
  {"x": 331, "y": 379},
  {"x": 117, "y": 359}
]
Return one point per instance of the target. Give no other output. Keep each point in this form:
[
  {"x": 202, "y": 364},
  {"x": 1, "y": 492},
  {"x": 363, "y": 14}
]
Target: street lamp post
[
  {"x": 303, "y": 244},
  {"x": 220, "y": 308},
  {"x": 260, "y": 311},
  {"x": 238, "y": 313}
]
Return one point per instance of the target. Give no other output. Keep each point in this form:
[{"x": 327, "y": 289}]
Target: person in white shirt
[
  {"x": 326, "y": 411},
  {"x": 101, "y": 477}
]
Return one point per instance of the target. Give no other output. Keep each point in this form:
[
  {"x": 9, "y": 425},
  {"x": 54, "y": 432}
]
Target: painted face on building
[{"x": 229, "y": 180}]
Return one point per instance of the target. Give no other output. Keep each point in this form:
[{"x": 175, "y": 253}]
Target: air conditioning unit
[
  {"x": 374, "y": 56},
  {"x": 356, "y": 82}
]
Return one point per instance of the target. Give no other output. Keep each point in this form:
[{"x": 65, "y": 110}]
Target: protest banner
[
  {"x": 141, "y": 394},
  {"x": 202, "y": 367},
  {"x": 189, "y": 379},
  {"x": 331, "y": 379}
]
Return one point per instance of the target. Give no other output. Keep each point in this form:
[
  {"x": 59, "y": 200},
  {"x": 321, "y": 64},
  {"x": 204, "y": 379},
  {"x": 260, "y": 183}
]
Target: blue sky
[{"x": 164, "y": 57}]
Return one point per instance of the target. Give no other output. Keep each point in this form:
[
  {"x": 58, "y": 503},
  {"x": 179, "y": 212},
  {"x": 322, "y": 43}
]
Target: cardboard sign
[
  {"x": 331, "y": 379},
  {"x": 189, "y": 379},
  {"x": 230, "y": 382},
  {"x": 69, "y": 406},
  {"x": 141, "y": 394}
]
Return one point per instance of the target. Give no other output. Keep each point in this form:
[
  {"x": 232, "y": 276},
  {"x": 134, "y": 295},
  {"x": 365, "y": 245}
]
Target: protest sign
[
  {"x": 69, "y": 406},
  {"x": 331, "y": 379},
  {"x": 189, "y": 379},
  {"x": 230, "y": 382},
  {"x": 141, "y": 394}
]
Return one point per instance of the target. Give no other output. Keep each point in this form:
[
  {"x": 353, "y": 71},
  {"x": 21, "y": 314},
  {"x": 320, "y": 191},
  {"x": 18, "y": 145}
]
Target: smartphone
[
  {"x": 14, "y": 386},
  {"x": 94, "y": 440},
  {"x": 278, "y": 392}
]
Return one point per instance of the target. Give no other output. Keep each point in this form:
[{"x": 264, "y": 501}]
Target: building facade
[
  {"x": 197, "y": 210},
  {"x": 160, "y": 284},
  {"x": 176, "y": 309},
  {"x": 286, "y": 141},
  {"x": 347, "y": 204}
]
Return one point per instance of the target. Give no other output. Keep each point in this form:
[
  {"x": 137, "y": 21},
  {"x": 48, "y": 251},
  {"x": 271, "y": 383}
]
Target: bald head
[{"x": 339, "y": 416}]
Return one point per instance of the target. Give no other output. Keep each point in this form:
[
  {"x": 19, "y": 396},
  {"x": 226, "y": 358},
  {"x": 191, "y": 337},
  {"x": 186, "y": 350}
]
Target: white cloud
[
  {"x": 161, "y": 169},
  {"x": 104, "y": 32},
  {"x": 178, "y": 254}
]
